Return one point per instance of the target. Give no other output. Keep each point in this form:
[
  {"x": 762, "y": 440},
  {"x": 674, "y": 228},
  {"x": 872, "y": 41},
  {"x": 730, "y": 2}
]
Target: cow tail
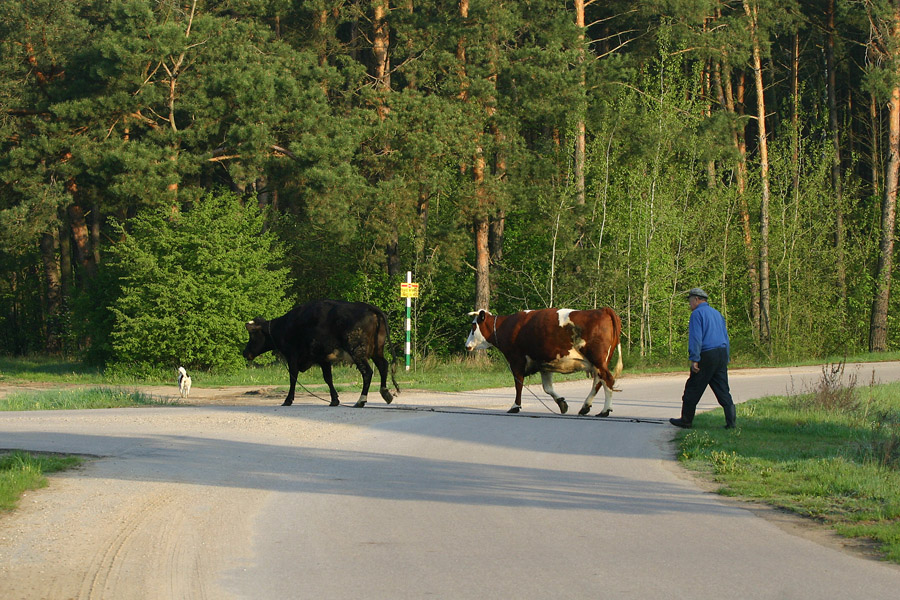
[
  {"x": 617, "y": 326},
  {"x": 395, "y": 349}
]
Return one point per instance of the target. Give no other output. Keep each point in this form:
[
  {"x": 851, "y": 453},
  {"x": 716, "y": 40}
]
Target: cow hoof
[
  {"x": 584, "y": 410},
  {"x": 335, "y": 402},
  {"x": 513, "y": 410},
  {"x": 359, "y": 404},
  {"x": 604, "y": 413},
  {"x": 386, "y": 395},
  {"x": 287, "y": 402},
  {"x": 563, "y": 406}
]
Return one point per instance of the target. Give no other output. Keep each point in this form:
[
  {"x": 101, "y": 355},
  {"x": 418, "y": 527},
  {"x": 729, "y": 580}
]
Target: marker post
[{"x": 409, "y": 290}]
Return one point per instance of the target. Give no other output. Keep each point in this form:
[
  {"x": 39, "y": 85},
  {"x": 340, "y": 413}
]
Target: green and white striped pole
[{"x": 408, "y": 320}]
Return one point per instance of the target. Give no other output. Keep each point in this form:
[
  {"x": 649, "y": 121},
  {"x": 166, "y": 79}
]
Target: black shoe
[
  {"x": 730, "y": 416},
  {"x": 680, "y": 423}
]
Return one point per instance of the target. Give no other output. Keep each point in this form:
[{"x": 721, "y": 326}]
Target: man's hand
[{"x": 695, "y": 367}]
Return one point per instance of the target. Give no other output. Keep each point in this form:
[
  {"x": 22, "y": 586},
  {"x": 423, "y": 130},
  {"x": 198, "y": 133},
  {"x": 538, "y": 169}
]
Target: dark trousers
[{"x": 713, "y": 373}]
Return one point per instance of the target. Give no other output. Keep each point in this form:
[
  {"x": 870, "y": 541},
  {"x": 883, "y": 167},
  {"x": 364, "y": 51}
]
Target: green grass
[
  {"x": 46, "y": 369},
  {"x": 455, "y": 374},
  {"x": 20, "y": 472},
  {"x": 73, "y": 399},
  {"x": 450, "y": 375},
  {"x": 832, "y": 455}
]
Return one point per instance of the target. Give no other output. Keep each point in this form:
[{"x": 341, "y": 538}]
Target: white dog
[{"x": 184, "y": 382}]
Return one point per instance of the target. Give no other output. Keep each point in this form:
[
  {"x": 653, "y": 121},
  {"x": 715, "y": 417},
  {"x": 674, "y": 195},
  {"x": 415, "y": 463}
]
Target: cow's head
[
  {"x": 260, "y": 338},
  {"x": 480, "y": 324}
]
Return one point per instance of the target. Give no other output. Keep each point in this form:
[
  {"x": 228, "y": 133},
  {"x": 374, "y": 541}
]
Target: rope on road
[
  {"x": 482, "y": 413},
  {"x": 451, "y": 411}
]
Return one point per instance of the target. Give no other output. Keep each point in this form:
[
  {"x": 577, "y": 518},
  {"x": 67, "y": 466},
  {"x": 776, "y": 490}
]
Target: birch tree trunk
[
  {"x": 81, "y": 238},
  {"x": 482, "y": 236},
  {"x": 875, "y": 154},
  {"x": 836, "y": 157},
  {"x": 95, "y": 231},
  {"x": 878, "y": 328},
  {"x": 737, "y": 137},
  {"x": 579, "y": 125},
  {"x": 795, "y": 171},
  {"x": 48, "y": 247},
  {"x": 765, "y": 327},
  {"x": 381, "y": 54},
  {"x": 886, "y": 44},
  {"x": 65, "y": 255},
  {"x": 482, "y": 265},
  {"x": 480, "y": 225},
  {"x": 795, "y": 118},
  {"x": 174, "y": 71}
]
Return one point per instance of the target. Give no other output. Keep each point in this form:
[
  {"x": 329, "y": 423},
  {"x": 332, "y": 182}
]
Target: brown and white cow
[{"x": 551, "y": 341}]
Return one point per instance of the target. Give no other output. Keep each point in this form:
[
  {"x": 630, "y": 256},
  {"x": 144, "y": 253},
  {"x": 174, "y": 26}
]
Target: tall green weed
[{"x": 20, "y": 471}]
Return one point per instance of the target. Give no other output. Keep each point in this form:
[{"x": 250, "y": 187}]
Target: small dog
[{"x": 184, "y": 382}]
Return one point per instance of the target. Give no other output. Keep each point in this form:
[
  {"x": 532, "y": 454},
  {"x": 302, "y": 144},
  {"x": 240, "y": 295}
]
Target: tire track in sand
[
  {"x": 172, "y": 541},
  {"x": 143, "y": 532}
]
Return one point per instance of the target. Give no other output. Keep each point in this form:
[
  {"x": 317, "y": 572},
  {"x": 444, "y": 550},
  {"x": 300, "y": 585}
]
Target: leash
[
  {"x": 313, "y": 394},
  {"x": 478, "y": 413},
  {"x": 530, "y": 391},
  {"x": 552, "y": 415}
]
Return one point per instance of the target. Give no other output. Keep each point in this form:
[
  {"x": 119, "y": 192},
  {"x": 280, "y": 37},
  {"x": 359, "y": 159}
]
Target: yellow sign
[{"x": 409, "y": 290}]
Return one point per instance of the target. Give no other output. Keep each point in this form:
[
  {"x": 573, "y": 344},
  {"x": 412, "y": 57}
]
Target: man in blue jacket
[{"x": 709, "y": 350}]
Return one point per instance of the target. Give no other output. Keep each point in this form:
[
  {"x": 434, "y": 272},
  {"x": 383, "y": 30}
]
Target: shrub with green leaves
[{"x": 180, "y": 286}]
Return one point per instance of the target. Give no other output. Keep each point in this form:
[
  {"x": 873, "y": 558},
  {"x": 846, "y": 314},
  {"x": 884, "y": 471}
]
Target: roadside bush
[
  {"x": 831, "y": 392},
  {"x": 179, "y": 287}
]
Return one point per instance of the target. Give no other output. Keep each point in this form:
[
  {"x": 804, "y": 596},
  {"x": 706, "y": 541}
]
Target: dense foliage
[
  {"x": 511, "y": 154},
  {"x": 179, "y": 288}
]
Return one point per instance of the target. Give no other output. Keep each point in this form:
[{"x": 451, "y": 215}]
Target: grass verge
[
  {"x": 20, "y": 472},
  {"x": 464, "y": 373},
  {"x": 832, "y": 454},
  {"x": 453, "y": 374},
  {"x": 74, "y": 399}
]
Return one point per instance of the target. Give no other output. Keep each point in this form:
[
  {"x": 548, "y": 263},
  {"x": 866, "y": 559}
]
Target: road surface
[{"x": 437, "y": 495}]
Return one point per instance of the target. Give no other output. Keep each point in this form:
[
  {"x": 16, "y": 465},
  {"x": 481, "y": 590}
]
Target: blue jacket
[{"x": 706, "y": 331}]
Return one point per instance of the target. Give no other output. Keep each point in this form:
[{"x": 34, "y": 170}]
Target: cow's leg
[
  {"x": 519, "y": 378},
  {"x": 589, "y": 401},
  {"x": 602, "y": 377},
  {"x": 292, "y": 374},
  {"x": 547, "y": 383},
  {"x": 382, "y": 364},
  {"x": 326, "y": 375},
  {"x": 608, "y": 383},
  {"x": 362, "y": 363},
  {"x": 607, "y": 404}
]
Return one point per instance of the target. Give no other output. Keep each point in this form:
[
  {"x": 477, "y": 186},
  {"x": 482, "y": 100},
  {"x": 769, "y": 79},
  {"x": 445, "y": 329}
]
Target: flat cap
[{"x": 698, "y": 292}]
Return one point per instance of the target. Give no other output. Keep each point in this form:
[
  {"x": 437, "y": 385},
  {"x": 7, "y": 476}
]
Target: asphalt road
[{"x": 437, "y": 495}]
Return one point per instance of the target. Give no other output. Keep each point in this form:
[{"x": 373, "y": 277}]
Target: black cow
[{"x": 324, "y": 332}]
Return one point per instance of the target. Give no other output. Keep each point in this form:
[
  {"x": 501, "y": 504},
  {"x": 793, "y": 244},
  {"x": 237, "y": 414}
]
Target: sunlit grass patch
[
  {"x": 830, "y": 454},
  {"x": 73, "y": 399},
  {"x": 20, "y": 471}
]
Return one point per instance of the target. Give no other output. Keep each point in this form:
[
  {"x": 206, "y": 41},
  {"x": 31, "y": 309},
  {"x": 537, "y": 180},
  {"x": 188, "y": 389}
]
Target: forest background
[{"x": 170, "y": 169}]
